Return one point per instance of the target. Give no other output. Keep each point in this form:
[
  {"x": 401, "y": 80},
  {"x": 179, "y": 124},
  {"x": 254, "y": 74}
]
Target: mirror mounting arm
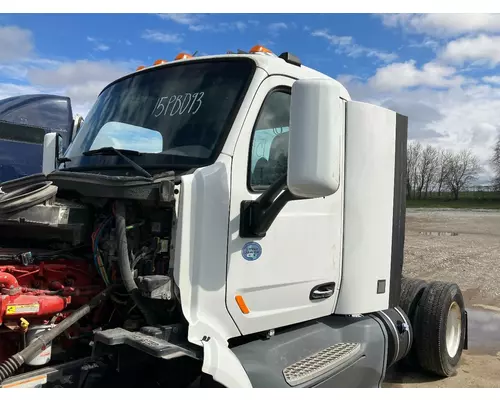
[{"x": 257, "y": 216}]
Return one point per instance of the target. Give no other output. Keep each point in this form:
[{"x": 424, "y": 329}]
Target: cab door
[{"x": 293, "y": 273}]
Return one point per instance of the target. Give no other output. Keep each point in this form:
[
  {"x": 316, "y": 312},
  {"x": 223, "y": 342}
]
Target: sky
[{"x": 441, "y": 70}]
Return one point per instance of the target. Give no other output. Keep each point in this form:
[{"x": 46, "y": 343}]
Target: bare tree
[
  {"x": 428, "y": 168},
  {"x": 495, "y": 161},
  {"x": 413, "y": 158},
  {"x": 443, "y": 169},
  {"x": 425, "y": 169},
  {"x": 463, "y": 170}
]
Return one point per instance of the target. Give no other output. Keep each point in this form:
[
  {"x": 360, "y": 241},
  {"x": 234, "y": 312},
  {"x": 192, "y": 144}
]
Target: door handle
[{"x": 323, "y": 291}]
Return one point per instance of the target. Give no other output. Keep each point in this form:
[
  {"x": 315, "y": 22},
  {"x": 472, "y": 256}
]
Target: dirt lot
[{"x": 461, "y": 246}]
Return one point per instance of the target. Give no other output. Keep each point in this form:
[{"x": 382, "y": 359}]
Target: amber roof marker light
[
  {"x": 183, "y": 56},
  {"x": 258, "y": 49}
]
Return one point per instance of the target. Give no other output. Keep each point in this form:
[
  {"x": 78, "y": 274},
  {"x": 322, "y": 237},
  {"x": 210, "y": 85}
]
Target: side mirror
[
  {"x": 314, "y": 155},
  {"x": 77, "y": 124},
  {"x": 52, "y": 152}
]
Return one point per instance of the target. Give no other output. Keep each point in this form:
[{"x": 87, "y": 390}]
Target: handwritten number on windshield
[{"x": 188, "y": 103}]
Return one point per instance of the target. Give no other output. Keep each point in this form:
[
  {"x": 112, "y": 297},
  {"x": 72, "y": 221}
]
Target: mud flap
[{"x": 466, "y": 322}]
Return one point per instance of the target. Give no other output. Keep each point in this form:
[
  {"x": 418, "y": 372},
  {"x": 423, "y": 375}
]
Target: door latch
[{"x": 323, "y": 291}]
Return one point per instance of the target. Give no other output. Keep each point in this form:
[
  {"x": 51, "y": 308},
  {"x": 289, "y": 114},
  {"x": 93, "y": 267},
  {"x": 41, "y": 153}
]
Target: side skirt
[{"x": 335, "y": 352}]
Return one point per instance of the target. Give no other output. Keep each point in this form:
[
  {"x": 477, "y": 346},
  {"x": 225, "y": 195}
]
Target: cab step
[
  {"x": 321, "y": 363},
  {"x": 153, "y": 343}
]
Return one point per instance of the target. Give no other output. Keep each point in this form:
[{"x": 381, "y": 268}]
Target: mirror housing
[
  {"x": 52, "y": 152},
  {"x": 77, "y": 124},
  {"x": 315, "y": 135}
]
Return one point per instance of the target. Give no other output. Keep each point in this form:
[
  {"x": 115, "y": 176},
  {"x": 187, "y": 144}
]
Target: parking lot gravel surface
[{"x": 461, "y": 246}]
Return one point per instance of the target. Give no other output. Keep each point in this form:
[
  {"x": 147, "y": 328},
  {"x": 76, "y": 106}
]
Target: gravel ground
[
  {"x": 458, "y": 246},
  {"x": 461, "y": 246}
]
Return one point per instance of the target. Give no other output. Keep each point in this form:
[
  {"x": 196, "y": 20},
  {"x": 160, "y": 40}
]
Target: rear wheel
[
  {"x": 440, "y": 328},
  {"x": 411, "y": 292}
]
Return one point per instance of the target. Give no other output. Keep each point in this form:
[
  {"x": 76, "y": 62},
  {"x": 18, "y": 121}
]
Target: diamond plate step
[
  {"x": 320, "y": 363},
  {"x": 155, "y": 346}
]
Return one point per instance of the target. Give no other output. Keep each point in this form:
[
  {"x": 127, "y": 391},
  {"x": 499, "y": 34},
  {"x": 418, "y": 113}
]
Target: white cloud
[
  {"x": 10, "y": 90},
  {"x": 78, "y": 72},
  {"x": 347, "y": 79},
  {"x": 162, "y": 37},
  {"x": 220, "y": 27},
  {"x": 194, "y": 22},
  {"x": 425, "y": 43},
  {"x": 102, "y": 47},
  {"x": 241, "y": 26},
  {"x": 454, "y": 117},
  {"x": 98, "y": 45},
  {"x": 277, "y": 26},
  {"x": 13, "y": 71},
  {"x": 346, "y": 45},
  {"x": 265, "y": 42},
  {"x": 184, "y": 19},
  {"x": 480, "y": 50},
  {"x": 495, "y": 80},
  {"x": 15, "y": 43},
  {"x": 444, "y": 25},
  {"x": 333, "y": 39},
  {"x": 81, "y": 80},
  {"x": 404, "y": 75}
]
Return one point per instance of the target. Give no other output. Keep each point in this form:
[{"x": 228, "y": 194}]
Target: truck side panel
[
  {"x": 374, "y": 209},
  {"x": 334, "y": 351}
]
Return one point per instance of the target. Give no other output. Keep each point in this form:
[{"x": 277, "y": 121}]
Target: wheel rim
[{"x": 453, "y": 329}]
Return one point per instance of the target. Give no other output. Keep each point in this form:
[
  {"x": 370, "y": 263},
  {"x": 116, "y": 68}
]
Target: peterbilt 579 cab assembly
[{"x": 232, "y": 220}]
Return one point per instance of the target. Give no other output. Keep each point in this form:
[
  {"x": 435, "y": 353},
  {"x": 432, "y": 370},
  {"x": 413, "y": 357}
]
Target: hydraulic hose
[
  {"x": 124, "y": 264},
  {"x": 14, "y": 184},
  {"x": 24, "y": 195},
  {"x": 10, "y": 366}
]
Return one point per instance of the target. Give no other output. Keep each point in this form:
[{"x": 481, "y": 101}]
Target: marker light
[
  {"x": 140, "y": 67},
  {"x": 183, "y": 56},
  {"x": 159, "y": 62},
  {"x": 258, "y": 49},
  {"x": 241, "y": 304}
]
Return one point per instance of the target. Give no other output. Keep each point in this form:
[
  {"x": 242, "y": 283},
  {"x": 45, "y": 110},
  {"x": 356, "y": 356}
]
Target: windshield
[{"x": 176, "y": 115}]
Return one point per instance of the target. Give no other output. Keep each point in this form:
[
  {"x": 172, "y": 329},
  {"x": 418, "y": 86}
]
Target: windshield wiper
[{"x": 110, "y": 151}]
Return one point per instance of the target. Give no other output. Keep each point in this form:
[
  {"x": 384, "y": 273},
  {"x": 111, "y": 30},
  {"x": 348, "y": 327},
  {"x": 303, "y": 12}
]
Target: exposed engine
[{"x": 59, "y": 253}]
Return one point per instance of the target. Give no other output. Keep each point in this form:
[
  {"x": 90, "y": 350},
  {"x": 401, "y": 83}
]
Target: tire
[
  {"x": 411, "y": 292},
  {"x": 440, "y": 328}
]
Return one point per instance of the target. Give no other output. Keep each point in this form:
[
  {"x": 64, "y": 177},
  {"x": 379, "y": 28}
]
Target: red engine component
[
  {"x": 45, "y": 289},
  {"x": 30, "y": 305},
  {"x": 44, "y": 293}
]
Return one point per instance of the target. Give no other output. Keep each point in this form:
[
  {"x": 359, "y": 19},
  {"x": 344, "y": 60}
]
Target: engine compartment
[{"x": 58, "y": 252}]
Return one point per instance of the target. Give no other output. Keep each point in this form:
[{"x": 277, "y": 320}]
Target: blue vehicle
[{"x": 24, "y": 121}]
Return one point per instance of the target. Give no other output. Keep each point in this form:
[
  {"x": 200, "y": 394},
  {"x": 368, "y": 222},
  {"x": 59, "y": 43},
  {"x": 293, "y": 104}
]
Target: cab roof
[{"x": 272, "y": 65}]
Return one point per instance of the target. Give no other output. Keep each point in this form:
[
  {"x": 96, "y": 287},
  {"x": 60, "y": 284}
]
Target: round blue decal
[{"x": 251, "y": 251}]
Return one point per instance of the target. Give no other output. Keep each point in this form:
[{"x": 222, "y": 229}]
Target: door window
[{"x": 269, "y": 146}]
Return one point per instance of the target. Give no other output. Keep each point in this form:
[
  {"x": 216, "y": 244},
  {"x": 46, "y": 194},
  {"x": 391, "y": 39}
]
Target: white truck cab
[{"x": 288, "y": 203}]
